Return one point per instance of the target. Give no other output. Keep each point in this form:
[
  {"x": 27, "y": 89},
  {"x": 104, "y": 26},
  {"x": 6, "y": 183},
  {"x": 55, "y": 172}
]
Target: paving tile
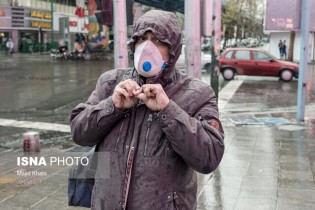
[
  {"x": 285, "y": 204},
  {"x": 296, "y": 146},
  {"x": 302, "y": 196},
  {"x": 265, "y": 164},
  {"x": 296, "y": 175},
  {"x": 257, "y": 204},
  {"x": 295, "y": 166},
  {"x": 258, "y": 170},
  {"x": 216, "y": 201},
  {"x": 259, "y": 182},
  {"x": 296, "y": 184},
  {"x": 258, "y": 193},
  {"x": 292, "y": 158},
  {"x": 266, "y": 157},
  {"x": 226, "y": 181},
  {"x": 267, "y": 149}
]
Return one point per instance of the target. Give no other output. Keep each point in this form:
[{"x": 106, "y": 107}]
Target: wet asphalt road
[
  {"x": 39, "y": 89},
  {"x": 40, "y": 84}
]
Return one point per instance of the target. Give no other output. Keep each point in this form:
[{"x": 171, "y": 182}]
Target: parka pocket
[{"x": 172, "y": 202}]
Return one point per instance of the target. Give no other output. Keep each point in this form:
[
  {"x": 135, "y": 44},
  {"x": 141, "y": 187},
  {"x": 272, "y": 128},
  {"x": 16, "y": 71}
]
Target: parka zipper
[
  {"x": 150, "y": 119},
  {"x": 175, "y": 197},
  {"x": 118, "y": 138}
]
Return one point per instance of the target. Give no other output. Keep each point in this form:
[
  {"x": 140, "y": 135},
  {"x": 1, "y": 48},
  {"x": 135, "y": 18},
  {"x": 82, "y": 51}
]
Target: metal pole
[
  {"x": 39, "y": 40},
  {"x": 216, "y": 49},
  {"x": 120, "y": 34},
  {"x": 52, "y": 22},
  {"x": 305, "y": 25},
  {"x": 192, "y": 38}
]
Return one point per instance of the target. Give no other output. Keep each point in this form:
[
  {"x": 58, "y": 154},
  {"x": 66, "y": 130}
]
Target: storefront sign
[
  {"x": 5, "y": 23},
  {"x": 73, "y": 23},
  {"x": 37, "y": 24},
  {"x": 2, "y": 12},
  {"x": 42, "y": 15}
]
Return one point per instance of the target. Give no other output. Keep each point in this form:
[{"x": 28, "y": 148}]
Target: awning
[{"x": 168, "y": 5}]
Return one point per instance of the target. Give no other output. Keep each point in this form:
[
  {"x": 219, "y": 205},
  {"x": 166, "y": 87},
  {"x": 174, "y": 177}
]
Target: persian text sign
[
  {"x": 41, "y": 15},
  {"x": 286, "y": 15},
  {"x": 283, "y": 15},
  {"x": 37, "y": 24}
]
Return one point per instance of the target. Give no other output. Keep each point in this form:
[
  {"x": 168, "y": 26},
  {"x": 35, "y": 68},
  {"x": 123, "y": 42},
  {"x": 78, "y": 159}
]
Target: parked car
[
  {"x": 205, "y": 60},
  {"x": 255, "y": 62}
]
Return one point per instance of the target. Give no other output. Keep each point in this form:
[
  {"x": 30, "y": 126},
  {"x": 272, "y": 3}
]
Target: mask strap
[{"x": 164, "y": 66}]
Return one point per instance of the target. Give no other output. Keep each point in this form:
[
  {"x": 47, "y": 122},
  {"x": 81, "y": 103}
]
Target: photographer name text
[{"x": 31, "y": 173}]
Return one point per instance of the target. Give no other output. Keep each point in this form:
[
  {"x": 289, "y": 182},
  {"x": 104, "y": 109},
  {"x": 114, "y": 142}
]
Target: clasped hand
[{"x": 128, "y": 92}]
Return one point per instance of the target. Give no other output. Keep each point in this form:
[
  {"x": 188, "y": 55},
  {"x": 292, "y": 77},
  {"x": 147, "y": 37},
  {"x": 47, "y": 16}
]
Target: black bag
[
  {"x": 81, "y": 181},
  {"x": 81, "y": 178}
]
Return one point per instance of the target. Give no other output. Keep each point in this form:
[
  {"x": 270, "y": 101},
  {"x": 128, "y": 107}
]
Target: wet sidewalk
[{"x": 264, "y": 167}]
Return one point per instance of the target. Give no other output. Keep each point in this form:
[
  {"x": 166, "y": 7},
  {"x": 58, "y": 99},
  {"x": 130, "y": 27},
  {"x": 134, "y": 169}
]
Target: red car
[{"x": 255, "y": 62}]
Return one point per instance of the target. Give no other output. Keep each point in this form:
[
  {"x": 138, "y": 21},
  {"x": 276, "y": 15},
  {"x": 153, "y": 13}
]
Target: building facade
[
  {"x": 38, "y": 25},
  {"x": 281, "y": 20}
]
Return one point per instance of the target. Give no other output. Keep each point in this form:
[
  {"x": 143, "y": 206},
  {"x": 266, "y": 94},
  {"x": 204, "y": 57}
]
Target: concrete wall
[{"x": 276, "y": 36}]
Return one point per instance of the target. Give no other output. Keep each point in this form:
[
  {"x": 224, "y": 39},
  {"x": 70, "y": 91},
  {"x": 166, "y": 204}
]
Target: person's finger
[
  {"x": 142, "y": 97},
  {"x": 122, "y": 92},
  {"x": 137, "y": 91},
  {"x": 129, "y": 85},
  {"x": 134, "y": 86},
  {"x": 125, "y": 85},
  {"x": 149, "y": 90}
]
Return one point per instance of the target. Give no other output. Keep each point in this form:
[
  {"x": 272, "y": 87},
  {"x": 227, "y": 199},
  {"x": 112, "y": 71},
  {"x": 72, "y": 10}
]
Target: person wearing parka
[{"x": 153, "y": 155}]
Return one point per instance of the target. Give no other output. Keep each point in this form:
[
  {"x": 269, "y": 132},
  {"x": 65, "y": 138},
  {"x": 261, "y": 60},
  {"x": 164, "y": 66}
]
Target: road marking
[
  {"x": 35, "y": 125},
  {"x": 7, "y": 180},
  {"x": 227, "y": 92}
]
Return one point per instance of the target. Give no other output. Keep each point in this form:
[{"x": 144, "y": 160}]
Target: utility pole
[
  {"x": 39, "y": 39},
  {"x": 192, "y": 38},
  {"x": 120, "y": 34},
  {"x": 305, "y": 26},
  {"x": 216, "y": 49},
  {"x": 52, "y": 22}
]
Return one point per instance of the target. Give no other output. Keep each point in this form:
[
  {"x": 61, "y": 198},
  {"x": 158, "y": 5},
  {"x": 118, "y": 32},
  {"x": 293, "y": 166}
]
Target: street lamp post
[{"x": 305, "y": 28}]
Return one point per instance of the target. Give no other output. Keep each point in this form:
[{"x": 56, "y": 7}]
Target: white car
[{"x": 205, "y": 60}]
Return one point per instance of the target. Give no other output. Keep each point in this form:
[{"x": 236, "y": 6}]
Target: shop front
[
  {"x": 27, "y": 27},
  {"x": 33, "y": 38}
]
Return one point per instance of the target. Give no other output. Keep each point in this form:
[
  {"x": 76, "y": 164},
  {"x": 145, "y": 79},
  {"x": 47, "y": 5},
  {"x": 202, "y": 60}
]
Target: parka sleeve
[
  {"x": 199, "y": 139},
  {"x": 91, "y": 121}
]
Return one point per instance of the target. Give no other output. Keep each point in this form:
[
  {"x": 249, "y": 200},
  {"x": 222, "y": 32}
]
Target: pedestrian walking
[
  {"x": 280, "y": 48},
  {"x": 284, "y": 50},
  {"x": 10, "y": 46},
  {"x": 1, "y": 38},
  {"x": 158, "y": 124}
]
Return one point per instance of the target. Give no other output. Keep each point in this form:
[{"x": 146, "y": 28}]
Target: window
[
  {"x": 242, "y": 55},
  {"x": 229, "y": 54},
  {"x": 261, "y": 56}
]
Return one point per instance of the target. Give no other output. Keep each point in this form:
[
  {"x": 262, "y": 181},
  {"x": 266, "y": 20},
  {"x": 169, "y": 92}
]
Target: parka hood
[{"x": 165, "y": 26}]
